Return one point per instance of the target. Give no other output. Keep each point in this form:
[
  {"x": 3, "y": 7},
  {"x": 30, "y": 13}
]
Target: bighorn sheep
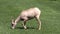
[{"x": 27, "y": 15}]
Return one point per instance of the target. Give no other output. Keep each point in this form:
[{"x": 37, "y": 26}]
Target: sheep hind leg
[{"x": 39, "y": 22}]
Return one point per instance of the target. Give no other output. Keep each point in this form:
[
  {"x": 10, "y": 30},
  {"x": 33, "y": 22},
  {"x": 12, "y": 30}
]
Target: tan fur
[{"x": 25, "y": 15}]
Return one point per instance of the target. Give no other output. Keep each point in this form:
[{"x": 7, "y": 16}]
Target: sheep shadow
[{"x": 23, "y": 28}]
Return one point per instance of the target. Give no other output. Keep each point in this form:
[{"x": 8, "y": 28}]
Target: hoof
[
  {"x": 13, "y": 28},
  {"x": 39, "y": 28}
]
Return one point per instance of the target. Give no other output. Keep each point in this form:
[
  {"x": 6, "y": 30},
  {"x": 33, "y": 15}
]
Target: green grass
[{"x": 50, "y": 16}]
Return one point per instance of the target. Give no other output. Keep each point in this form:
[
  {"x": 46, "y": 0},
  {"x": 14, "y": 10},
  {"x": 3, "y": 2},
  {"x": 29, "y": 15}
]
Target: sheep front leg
[
  {"x": 39, "y": 22},
  {"x": 24, "y": 25}
]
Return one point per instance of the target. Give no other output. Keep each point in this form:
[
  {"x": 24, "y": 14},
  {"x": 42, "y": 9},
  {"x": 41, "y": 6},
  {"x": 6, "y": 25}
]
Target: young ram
[{"x": 26, "y": 15}]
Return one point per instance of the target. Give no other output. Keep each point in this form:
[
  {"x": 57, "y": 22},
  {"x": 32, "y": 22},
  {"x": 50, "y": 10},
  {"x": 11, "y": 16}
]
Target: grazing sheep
[{"x": 26, "y": 15}]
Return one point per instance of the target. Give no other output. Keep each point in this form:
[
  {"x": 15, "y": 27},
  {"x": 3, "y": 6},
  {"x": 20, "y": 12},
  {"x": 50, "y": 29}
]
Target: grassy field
[{"x": 50, "y": 16}]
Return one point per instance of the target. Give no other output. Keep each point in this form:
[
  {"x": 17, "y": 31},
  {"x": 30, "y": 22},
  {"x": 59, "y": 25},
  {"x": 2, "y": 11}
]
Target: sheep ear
[{"x": 12, "y": 20}]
